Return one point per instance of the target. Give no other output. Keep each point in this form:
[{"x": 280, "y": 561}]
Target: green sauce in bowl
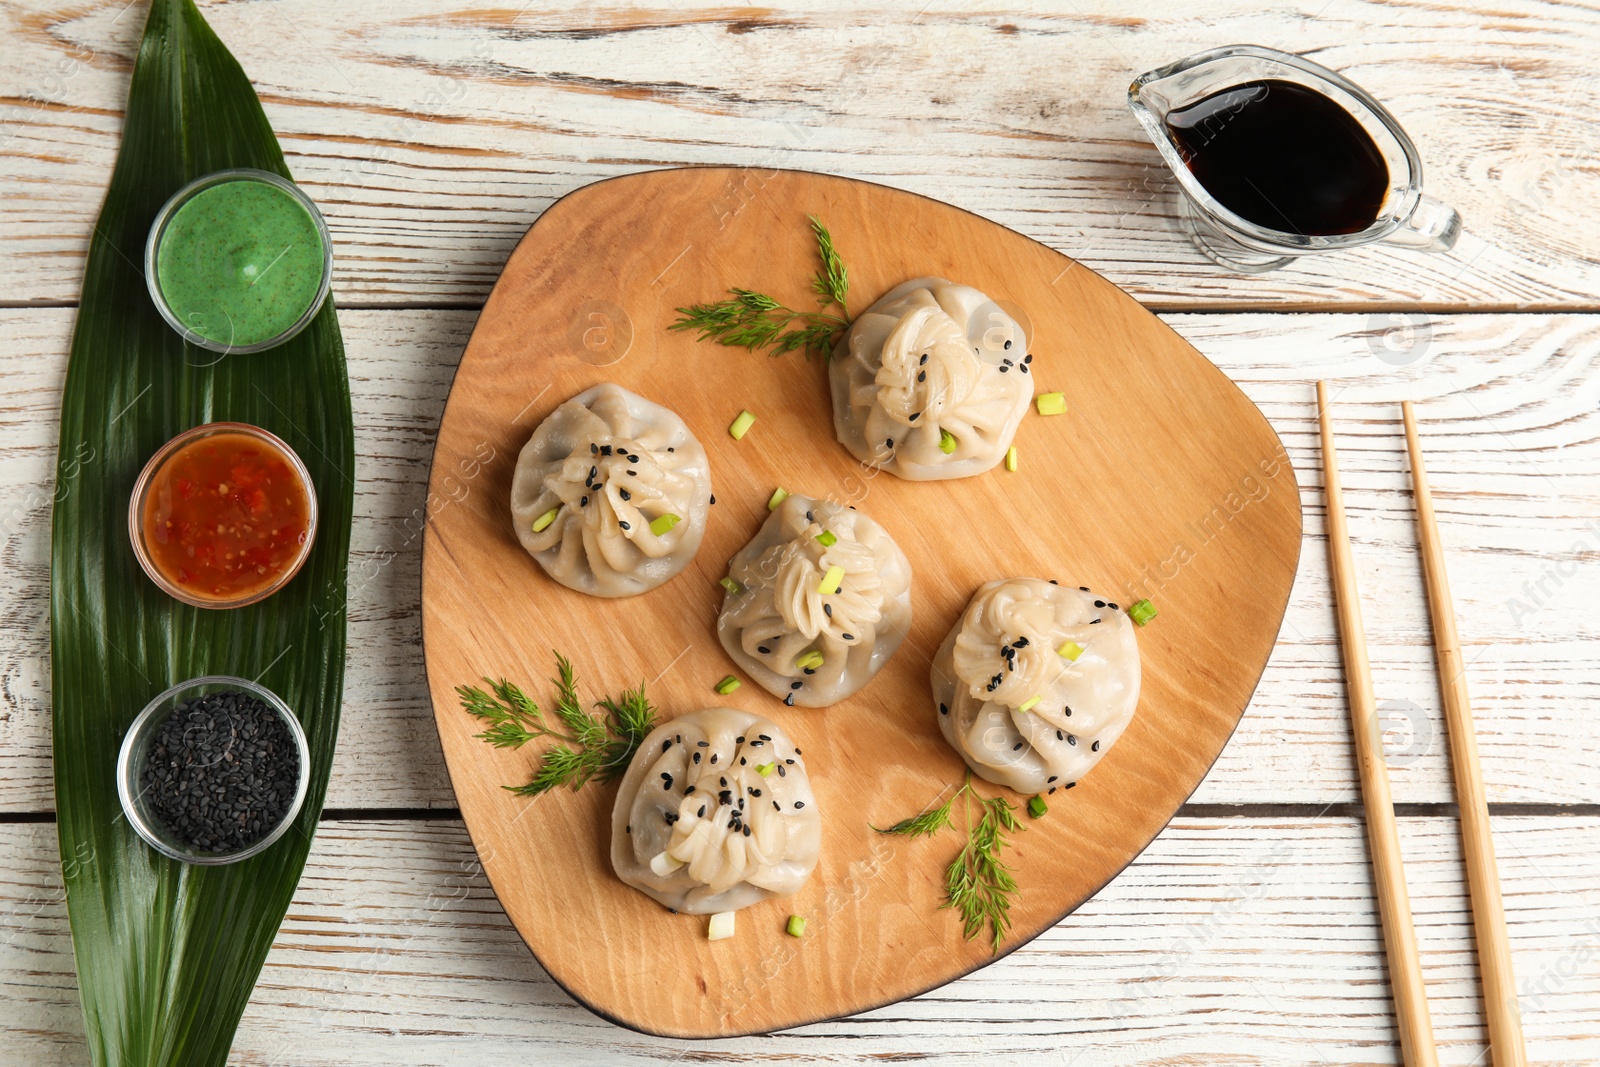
[{"x": 240, "y": 261}]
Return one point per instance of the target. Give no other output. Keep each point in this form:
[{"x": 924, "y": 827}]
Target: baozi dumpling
[
  {"x": 593, "y": 478},
  {"x": 698, "y": 827},
  {"x": 1036, "y": 682},
  {"x": 809, "y": 647},
  {"x": 931, "y": 381}
]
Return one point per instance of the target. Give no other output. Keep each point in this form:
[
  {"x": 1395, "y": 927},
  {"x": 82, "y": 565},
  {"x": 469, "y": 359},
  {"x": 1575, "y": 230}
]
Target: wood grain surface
[
  {"x": 1161, "y": 481},
  {"x": 432, "y": 133},
  {"x": 1510, "y": 403},
  {"x": 1227, "y": 942}
]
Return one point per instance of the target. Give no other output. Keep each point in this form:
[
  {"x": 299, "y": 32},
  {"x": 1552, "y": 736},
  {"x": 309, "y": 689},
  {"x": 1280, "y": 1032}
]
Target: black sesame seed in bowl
[{"x": 213, "y": 770}]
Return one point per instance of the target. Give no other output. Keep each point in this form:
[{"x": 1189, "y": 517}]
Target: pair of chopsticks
[{"x": 1383, "y": 841}]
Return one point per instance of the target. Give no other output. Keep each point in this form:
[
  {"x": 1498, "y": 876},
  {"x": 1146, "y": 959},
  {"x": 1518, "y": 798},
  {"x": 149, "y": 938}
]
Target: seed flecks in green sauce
[{"x": 240, "y": 262}]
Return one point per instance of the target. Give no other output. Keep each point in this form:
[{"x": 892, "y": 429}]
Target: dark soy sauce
[{"x": 1283, "y": 156}]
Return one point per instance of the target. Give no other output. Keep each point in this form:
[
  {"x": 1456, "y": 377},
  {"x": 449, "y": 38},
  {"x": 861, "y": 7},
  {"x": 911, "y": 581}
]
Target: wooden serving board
[{"x": 1162, "y": 480}]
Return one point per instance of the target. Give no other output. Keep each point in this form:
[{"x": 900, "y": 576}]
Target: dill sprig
[
  {"x": 977, "y": 884},
  {"x": 832, "y": 282},
  {"x": 926, "y": 824},
  {"x": 631, "y": 718},
  {"x": 588, "y": 746},
  {"x": 754, "y": 320}
]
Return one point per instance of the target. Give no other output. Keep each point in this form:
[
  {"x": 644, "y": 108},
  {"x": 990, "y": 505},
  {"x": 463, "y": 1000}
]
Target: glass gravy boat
[{"x": 1406, "y": 216}]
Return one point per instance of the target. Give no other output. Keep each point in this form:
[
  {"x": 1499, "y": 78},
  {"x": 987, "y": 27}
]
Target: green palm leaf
[{"x": 167, "y": 954}]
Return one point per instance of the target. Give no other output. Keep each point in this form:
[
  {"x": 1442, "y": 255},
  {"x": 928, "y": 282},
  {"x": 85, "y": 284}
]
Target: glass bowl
[
  {"x": 141, "y": 491},
  {"x": 136, "y": 749},
  {"x": 152, "y": 247}
]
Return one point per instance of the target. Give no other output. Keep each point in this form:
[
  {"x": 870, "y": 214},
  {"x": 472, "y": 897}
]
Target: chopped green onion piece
[
  {"x": 1037, "y": 807},
  {"x": 1011, "y": 458},
  {"x": 1050, "y": 403},
  {"x": 1141, "y": 611},
  {"x": 664, "y": 863},
  {"x": 1070, "y": 650},
  {"x": 796, "y": 927},
  {"x": 779, "y": 495},
  {"x": 543, "y": 522},
  {"x": 765, "y": 769},
  {"x": 827, "y": 539},
  {"x": 661, "y": 525},
  {"x": 947, "y": 442},
  {"x": 727, "y": 685},
  {"x": 731, "y": 586},
  {"x": 741, "y": 425},
  {"x": 809, "y": 661},
  {"x": 830, "y": 581},
  {"x": 1027, "y": 705},
  {"x": 721, "y": 926}
]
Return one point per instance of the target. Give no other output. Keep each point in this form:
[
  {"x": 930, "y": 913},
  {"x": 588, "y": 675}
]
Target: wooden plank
[
  {"x": 432, "y": 134},
  {"x": 1228, "y": 942},
  {"x": 1508, "y": 405}
]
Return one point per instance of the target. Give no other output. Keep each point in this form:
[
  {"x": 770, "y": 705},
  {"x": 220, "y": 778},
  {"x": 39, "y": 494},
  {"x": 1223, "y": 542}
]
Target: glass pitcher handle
[{"x": 1432, "y": 227}]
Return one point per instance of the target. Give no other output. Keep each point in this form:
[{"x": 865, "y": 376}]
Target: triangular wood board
[{"x": 1162, "y": 480}]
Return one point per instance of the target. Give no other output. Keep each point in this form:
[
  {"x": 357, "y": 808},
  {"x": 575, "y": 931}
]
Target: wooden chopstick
[
  {"x": 1477, "y": 843},
  {"x": 1383, "y": 839}
]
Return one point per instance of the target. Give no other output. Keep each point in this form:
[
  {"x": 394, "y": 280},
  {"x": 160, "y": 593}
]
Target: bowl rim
[
  {"x": 138, "y": 732},
  {"x": 141, "y": 489},
  {"x": 169, "y": 210}
]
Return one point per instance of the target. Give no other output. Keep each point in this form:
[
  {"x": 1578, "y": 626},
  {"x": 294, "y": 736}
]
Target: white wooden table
[{"x": 433, "y": 132}]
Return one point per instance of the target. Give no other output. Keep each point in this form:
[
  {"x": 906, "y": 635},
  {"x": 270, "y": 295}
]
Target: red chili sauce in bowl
[{"x": 225, "y": 515}]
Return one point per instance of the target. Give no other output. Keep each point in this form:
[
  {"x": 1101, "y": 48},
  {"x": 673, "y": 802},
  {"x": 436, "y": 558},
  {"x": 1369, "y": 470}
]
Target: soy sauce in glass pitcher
[
  {"x": 1283, "y": 156},
  {"x": 1278, "y": 157}
]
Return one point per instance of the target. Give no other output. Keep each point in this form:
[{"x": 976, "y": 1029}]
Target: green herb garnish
[
  {"x": 830, "y": 581},
  {"x": 1037, "y": 807},
  {"x": 741, "y": 425},
  {"x": 662, "y": 525},
  {"x": 727, "y": 685},
  {"x": 832, "y": 282},
  {"x": 748, "y": 319},
  {"x": 977, "y": 883},
  {"x": 590, "y": 746},
  {"x": 721, "y": 926},
  {"x": 1141, "y": 611},
  {"x": 1051, "y": 403},
  {"x": 796, "y": 926},
  {"x": 926, "y": 824},
  {"x": 546, "y": 519},
  {"x": 731, "y": 585}
]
